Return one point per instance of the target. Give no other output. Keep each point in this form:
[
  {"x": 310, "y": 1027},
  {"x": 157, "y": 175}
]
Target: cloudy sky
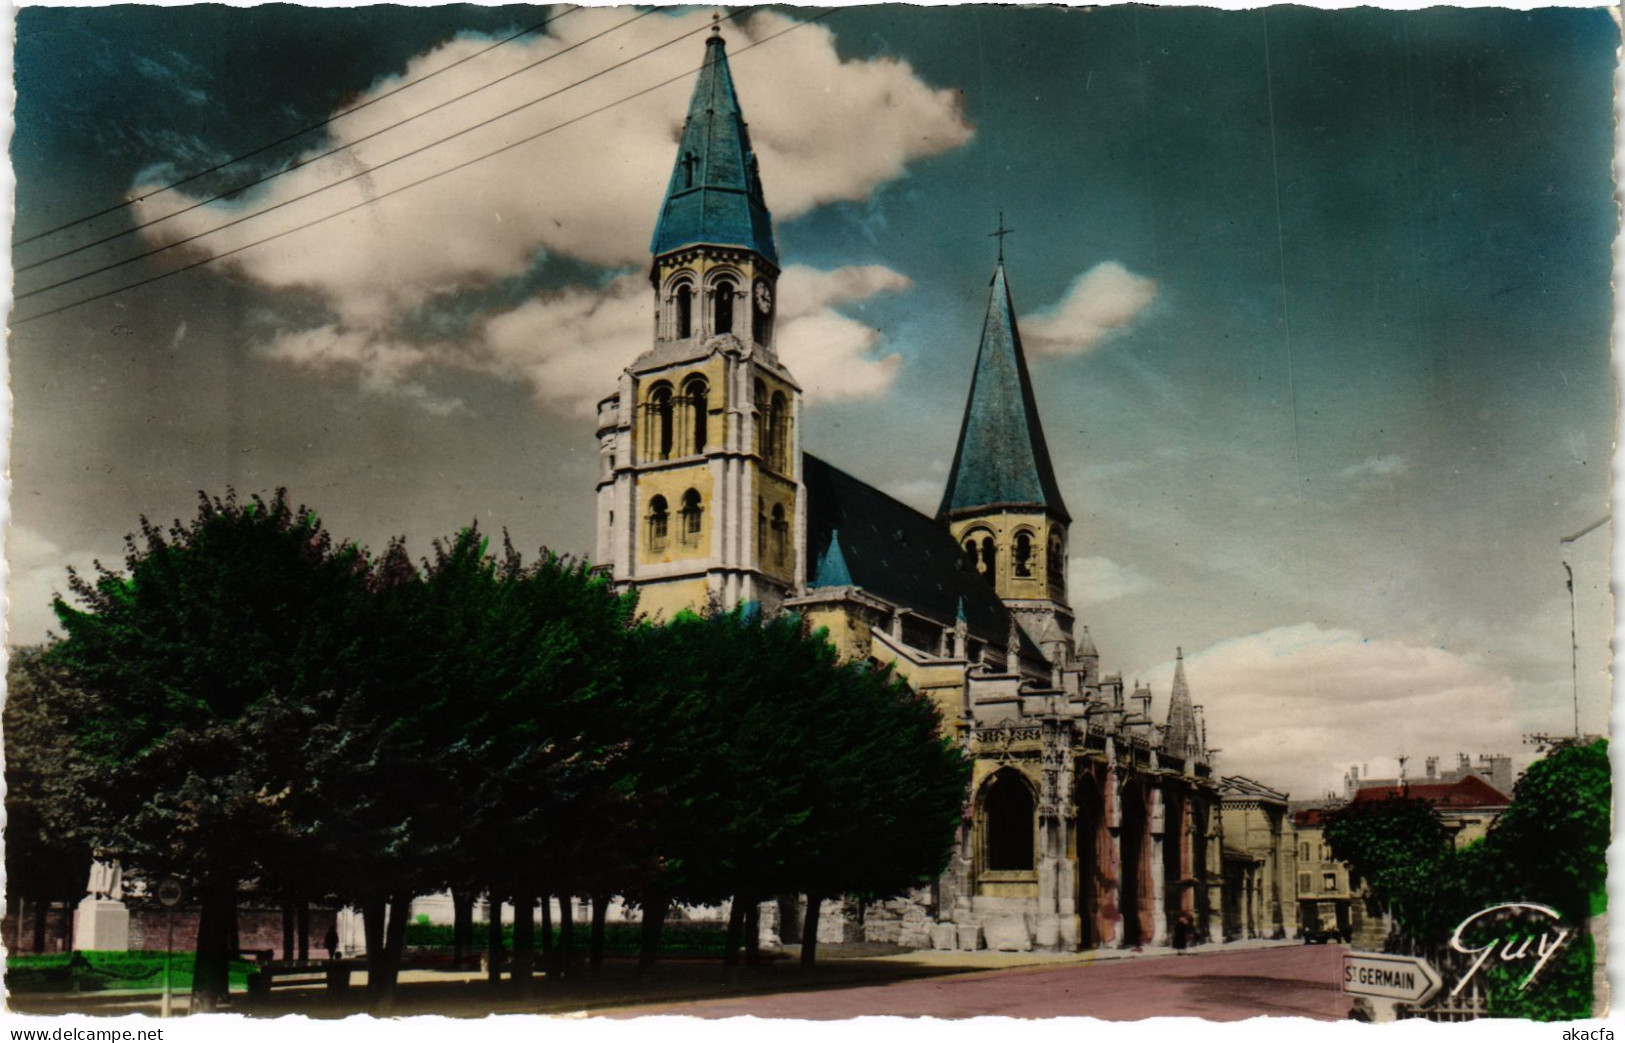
[{"x": 1317, "y": 305}]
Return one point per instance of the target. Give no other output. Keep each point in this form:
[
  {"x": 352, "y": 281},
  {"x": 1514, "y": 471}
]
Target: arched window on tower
[
  {"x": 761, "y": 528},
  {"x": 685, "y": 312},
  {"x": 691, "y": 517},
  {"x": 990, "y": 559},
  {"x": 761, "y": 314},
  {"x": 658, "y": 423},
  {"x": 972, "y": 557},
  {"x": 781, "y": 534},
  {"x": 723, "y": 318},
  {"x": 1022, "y": 554},
  {"x": 1007, "y": 824},
  {"x": 659, "y": 518},
  {"x": 1056, "y": 565},
  {"x": 696, "y": 399},
  {"x": 779, "y": 440}
]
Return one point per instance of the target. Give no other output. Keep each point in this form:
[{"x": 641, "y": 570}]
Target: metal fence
[{"x": 1469, "y": 1004}]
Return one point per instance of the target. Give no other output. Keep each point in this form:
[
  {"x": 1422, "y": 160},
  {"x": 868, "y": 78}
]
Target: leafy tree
[
  {"x": 47, "y": 860},
  {"x": 890, "y": 791},
  {"x": 470, "y": 759},
  {"x": 193, "y": 661},
  {"x": 1395, "y": 844},
  {"x": 1551, "y": 847},
  {"x": 1548, "y": 847},
  {"x": 1553, "y": 840},
  {"x": 774, "y": 767}
]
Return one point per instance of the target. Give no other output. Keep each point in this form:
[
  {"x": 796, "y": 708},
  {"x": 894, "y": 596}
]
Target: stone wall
[{"x": 256, "y": 929}]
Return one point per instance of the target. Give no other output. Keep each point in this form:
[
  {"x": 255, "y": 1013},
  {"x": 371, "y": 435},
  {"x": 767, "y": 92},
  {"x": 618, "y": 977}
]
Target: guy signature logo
[{"x": 1507, "y": 925}]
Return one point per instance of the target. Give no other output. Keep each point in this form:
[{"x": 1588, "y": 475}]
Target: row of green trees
[
  {"x": 1549, "y": 847},
  {"x": 249, "y": 704}
]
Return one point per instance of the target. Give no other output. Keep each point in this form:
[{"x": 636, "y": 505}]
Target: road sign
[
  {"x": 1386, "y": 976},
  {"x": 169, "y": 893}
]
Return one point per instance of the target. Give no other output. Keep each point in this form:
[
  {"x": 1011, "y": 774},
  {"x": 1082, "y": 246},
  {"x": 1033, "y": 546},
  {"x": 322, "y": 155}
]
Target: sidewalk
[{"x": 467, "y": 994}]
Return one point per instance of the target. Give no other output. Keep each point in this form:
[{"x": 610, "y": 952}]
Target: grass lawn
[{"x": 100, "y": 971}]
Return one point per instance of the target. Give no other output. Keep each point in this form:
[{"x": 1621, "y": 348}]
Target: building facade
[
  {"x": 1331, "y": 896},
  {"x": 1260, "y": 861},
  {"x": 1331, "y": 899},
  {"x": 1088, "y": 822}
]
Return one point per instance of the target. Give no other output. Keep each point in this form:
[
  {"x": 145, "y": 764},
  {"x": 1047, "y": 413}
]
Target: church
[{"x": 1088, "y": 823}]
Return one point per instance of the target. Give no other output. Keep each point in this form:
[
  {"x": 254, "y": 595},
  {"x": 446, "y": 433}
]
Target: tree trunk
[
  {"x": 655, "y": 902},
  {"x": 567, "y": 931},
  {"x": 41, "y": 913},
  {"x": 67, "y": 925},
  {"x": 304, "y": 929},
  {"x": 809, "y": 930},
  {"x": 524, "y": 938},
  {"x": 385, "y": 971},
  {"x": 373, "y": 910},
  {"x": 287, "y": 931},
  {"x": 736, "y": 926},
  {"x": 595, "y": 945},
  {"x": 462, "y": 926},
  {"x": 493, "y": 939},
  {"x": 547, "y": 924},
  {"x": 211, "y": 983},
  {"x": 753, "y": 933}
]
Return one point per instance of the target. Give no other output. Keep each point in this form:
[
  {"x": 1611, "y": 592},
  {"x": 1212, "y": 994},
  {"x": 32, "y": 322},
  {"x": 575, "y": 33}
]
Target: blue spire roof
[
  {"x": 1002, "y": 460},
  {"x": 832, "y": 570},
  {"x": 715, "y": 195}
]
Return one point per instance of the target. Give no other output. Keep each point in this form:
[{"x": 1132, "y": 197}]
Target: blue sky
[{"x": 1318, "y": 306}]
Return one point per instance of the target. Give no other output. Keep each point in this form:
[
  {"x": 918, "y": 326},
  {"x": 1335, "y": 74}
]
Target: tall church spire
[
  {"x": 1181, "y": 739},
  {"x": 699, "y": 449},
  {"x": 1002, "y": 459},
  {"x": 715, "y": 194}
]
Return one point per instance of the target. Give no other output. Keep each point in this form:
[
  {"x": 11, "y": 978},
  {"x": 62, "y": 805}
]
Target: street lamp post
[
  {"x": 169, "y": 896},
  {"x": 1574, "y": 629}
]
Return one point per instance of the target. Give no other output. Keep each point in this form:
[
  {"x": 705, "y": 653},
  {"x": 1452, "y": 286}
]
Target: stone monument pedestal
[{"x": 102, "y": 925}]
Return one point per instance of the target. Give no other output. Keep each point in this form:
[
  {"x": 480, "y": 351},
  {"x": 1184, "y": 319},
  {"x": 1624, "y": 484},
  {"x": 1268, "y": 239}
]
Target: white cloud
[
  {"x": 1100, "y": 301},
  {"x": 1377, "y": 467},
  {"x": 590, "y": 191},
  {"x": 569, "y": 346},
  {"x": 1293, "y": 707},
  {"x": 830, "y": 354},
  {"x": 1091, "y": 581},
  {"x": 38, "y": 570}
]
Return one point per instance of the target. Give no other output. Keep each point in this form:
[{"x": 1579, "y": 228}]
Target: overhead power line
[
  {"x": 413, "y": 184},
  {"x": 188, "y": 179},
  {"x": 364, "y": 172},
  {"x": 336, "y": 149}
]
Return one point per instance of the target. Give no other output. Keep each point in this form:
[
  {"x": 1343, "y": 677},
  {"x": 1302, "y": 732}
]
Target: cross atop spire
[{"x": 1000, "y": 234}]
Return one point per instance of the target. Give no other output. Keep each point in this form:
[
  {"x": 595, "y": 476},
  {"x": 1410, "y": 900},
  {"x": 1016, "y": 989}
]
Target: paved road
[{"x": 1300, "y": 981}]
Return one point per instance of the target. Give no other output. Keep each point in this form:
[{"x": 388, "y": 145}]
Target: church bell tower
[
  {"x": 1002, "y": 503},
  {"x": 699, "y": 493}
]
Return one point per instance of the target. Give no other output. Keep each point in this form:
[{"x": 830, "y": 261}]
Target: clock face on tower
[{"x": 764, "y": 298}]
